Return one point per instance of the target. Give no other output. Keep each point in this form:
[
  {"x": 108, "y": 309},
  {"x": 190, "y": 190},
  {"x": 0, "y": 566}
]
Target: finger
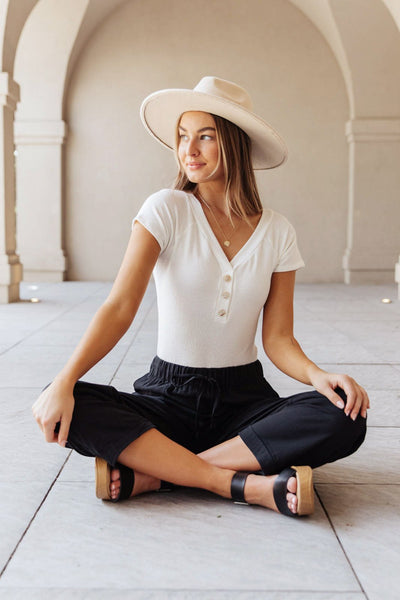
[
  {"x": 48, "y": 430},
  {"x": 350, "y": 390},
  {"x": 365, "y": 405},
  {"x": 333, "y": 397},
  {"x": 64, "y": 430},
  {"x": 35, "y": 416},
  {"x": 361, "y": 403},
  {"x": 356, "y": 408}
]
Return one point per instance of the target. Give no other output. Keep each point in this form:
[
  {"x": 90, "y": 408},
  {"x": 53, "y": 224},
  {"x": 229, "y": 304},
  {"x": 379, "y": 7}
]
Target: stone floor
[{"x": 58, "y": 541}]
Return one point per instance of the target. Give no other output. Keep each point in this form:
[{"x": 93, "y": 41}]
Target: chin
[{"x": 195, "y": 179}]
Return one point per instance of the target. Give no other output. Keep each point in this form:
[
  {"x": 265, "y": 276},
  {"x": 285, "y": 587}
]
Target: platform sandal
[
  {"x": 127, "y": 478},
  {"x": 304, "y": 493}
]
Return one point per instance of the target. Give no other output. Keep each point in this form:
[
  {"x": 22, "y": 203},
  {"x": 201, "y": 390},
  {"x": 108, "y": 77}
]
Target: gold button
[
  {"x": 226, "y": 295},
  {"x": 227, "y": 278},
  {"x": 221, "y": 313}
]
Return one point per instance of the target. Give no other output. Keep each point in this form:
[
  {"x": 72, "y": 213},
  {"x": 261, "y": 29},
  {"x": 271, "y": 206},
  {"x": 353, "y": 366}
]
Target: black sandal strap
[
  {"x": 165, "y": 486},
  {"x": 237, "y": 487},
  {"x": 127, "y": 478},
  {"x": 280, "y": 490}
]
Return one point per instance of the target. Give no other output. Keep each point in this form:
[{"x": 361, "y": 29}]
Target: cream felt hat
[{"x": 161, "y": 111}]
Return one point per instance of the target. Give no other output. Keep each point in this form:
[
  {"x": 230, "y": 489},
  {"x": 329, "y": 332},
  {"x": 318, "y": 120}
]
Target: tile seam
[
  {"x": 341, "y": 546},
  {"x": 114, "y": 375},
  {"x": 61, "y": 314},
  {"x": 33, "y": 517}
]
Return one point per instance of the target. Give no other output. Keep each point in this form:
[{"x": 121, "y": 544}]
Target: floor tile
[
  {"x": 370, "y": 376},
  {"x": 367, "y": 522},
  {"x": 18, "y": 504},
  {"x": 170, "y": 541},
  {"x": 143, "y": 348},
  {"x": 385, "y": 408},
  {"x": 376, "y": 461},
  {"x": 127, "y": 374},
  {"x": 134, "y": 594},
  {"x": 335, "y": 324},
  {"x": 25, "y": 455},
  {"x": 78, "y": 468}
]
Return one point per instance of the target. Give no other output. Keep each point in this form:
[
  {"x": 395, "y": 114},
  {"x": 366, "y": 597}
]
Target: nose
[{"x": 191, "y": 148}]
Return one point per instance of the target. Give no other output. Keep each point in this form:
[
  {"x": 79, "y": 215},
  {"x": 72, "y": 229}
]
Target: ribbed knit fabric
[{"x": 208, "y": 306}]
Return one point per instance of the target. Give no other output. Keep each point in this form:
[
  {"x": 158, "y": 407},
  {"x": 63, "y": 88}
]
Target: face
[{"x": 198, "y": 149}]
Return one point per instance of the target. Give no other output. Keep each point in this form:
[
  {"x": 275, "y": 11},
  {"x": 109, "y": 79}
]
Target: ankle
[
  {"x": 145, "y": 483},
  {"x": 219, "y": 481},
  {"x": 255, "y": 488}
]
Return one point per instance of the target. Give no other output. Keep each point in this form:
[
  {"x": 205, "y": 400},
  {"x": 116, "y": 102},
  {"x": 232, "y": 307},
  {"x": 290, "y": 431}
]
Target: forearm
[
  {"x": 287, "y": 355},
  {"x": 104, "y": 331}
]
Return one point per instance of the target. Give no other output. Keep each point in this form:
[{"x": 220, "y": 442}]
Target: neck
[{"x": 213, "y": 195}]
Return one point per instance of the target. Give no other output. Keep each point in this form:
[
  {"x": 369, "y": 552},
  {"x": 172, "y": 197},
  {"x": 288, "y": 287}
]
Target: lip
[{"x": 194, "y": 165}]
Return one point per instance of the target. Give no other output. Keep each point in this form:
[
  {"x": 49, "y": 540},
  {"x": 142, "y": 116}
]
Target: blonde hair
[{"x": 235, "y": 153}]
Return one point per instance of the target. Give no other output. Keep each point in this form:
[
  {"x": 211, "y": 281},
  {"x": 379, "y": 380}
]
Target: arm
[
  {"x": 285, "y": 352},
  {"x": 110, "y": 323}
]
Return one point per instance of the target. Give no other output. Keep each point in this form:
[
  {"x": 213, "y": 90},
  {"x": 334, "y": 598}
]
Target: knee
[{"x": 348, "y": 434}]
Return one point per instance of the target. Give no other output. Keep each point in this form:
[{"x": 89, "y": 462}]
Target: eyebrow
[{"x": 199, "y": 130}]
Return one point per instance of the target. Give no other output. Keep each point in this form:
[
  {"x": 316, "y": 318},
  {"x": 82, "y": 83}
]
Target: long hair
[{"x": 235, "y": 153}]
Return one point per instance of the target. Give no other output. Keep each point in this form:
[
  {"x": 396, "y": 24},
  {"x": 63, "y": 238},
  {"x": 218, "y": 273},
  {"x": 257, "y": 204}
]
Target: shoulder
[
  {"x": 278, "y": 221},
  {"x": 278, "y": 226},
  {"x": 164, "y": 213},
  {"x": 167, "y": 200},
  {"x": 281, "y": 236}
]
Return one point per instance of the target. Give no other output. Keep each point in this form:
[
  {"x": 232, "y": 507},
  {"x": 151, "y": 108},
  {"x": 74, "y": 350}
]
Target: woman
[{"x": 204, "y": 416}]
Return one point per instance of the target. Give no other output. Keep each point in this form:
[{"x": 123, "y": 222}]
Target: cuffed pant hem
[
  {"x": 115, "y": 452},
  {"x": 258, "y": 447}
]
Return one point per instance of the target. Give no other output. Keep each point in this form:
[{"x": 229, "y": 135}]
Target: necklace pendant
[{"x": 227, "y": 243}]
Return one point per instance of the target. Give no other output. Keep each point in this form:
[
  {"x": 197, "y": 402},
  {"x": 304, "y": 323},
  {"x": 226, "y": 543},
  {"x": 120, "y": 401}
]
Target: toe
[
  {"x": 114, "y": 490},
  {"x": 291, "y": 495},
  {"x": 115, "y": 474},
  {"x": 292, "y": 502},
  {"x": 115, "y": 484},
  {"x": 292, "y": 485}
]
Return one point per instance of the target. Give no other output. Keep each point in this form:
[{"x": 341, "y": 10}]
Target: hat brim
[{"x": 161, "y": 110}]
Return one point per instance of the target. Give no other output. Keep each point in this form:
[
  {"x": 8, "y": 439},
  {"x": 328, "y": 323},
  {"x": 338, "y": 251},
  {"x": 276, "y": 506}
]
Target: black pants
[{"x": 200, "y": 408}]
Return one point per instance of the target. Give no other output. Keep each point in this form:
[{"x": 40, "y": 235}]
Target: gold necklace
[{"x": 226, "y": 240}]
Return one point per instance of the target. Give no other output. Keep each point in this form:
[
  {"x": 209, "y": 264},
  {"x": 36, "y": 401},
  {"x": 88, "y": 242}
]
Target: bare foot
[
  {"x": 143, "y": 483},
  {"x": 259, "y": 490}
]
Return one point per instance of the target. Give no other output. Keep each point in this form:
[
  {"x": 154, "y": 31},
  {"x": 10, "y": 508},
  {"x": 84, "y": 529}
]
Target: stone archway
[
  {"x": 373, "y": 128},
  {"x": 12, "y": 19},
  {"x": 369, "y": 56},
  {"x": 43, "y": 67}
]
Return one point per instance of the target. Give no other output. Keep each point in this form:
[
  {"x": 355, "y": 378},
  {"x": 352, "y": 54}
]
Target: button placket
[{"x": 225, "y": 294}]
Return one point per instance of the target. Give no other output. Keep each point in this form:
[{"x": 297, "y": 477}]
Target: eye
[
  {"x": 206, "y": 136},
  {"x": 183, "y": 136}
]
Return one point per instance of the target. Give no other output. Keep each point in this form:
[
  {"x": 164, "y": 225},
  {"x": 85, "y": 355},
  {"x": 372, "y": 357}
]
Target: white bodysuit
[{"x": 208, "y": 306}]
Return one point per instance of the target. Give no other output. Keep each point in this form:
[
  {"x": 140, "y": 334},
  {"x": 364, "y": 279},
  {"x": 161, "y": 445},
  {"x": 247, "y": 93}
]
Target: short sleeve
[
  {"x": 289, "y": 257},
  {"x": 156, "y": 216}
]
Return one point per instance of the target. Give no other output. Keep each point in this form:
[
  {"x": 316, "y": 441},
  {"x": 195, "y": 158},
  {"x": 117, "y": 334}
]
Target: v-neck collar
[{"x": 247, "y": 248}]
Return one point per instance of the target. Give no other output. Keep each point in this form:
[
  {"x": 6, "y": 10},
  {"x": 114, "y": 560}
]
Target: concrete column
[
  {"x": 373, "y": 228},
  {"x": 397, "y": 276},
  {"x": 40, "y": 199},
  {"x": 10, "y": 266}
]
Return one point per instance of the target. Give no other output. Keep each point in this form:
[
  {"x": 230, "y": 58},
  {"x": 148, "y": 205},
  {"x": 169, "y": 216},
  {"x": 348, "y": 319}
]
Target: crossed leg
[{"x": 153, "y": 457}]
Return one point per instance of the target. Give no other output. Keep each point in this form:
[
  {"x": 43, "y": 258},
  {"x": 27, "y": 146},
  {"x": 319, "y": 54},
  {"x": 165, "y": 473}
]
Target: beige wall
[{"x": 267, "y": 46}]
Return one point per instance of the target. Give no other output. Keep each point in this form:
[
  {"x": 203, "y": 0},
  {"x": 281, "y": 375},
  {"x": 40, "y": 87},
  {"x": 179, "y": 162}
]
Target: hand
[
  {"x": 55, "y": 405},
  {"x": 357, "y": 398}
]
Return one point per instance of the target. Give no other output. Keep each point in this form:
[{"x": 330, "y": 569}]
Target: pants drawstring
[{"x": 205, "y": 383}]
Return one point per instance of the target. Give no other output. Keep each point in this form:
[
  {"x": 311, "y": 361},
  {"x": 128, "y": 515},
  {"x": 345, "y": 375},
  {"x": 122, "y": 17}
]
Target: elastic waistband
[{"x": 225, "y": 376}]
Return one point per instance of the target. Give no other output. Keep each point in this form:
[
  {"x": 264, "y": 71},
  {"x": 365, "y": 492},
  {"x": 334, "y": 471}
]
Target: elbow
[{"x": 274, "y": 344}]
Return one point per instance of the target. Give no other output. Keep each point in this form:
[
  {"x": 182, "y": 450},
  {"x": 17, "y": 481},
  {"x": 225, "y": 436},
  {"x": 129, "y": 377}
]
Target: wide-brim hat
[{"x": 161, "y": 111}]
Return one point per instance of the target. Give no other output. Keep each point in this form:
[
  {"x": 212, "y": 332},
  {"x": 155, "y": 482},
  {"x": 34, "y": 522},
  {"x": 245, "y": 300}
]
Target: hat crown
[{"x": 224, "y": 89}]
